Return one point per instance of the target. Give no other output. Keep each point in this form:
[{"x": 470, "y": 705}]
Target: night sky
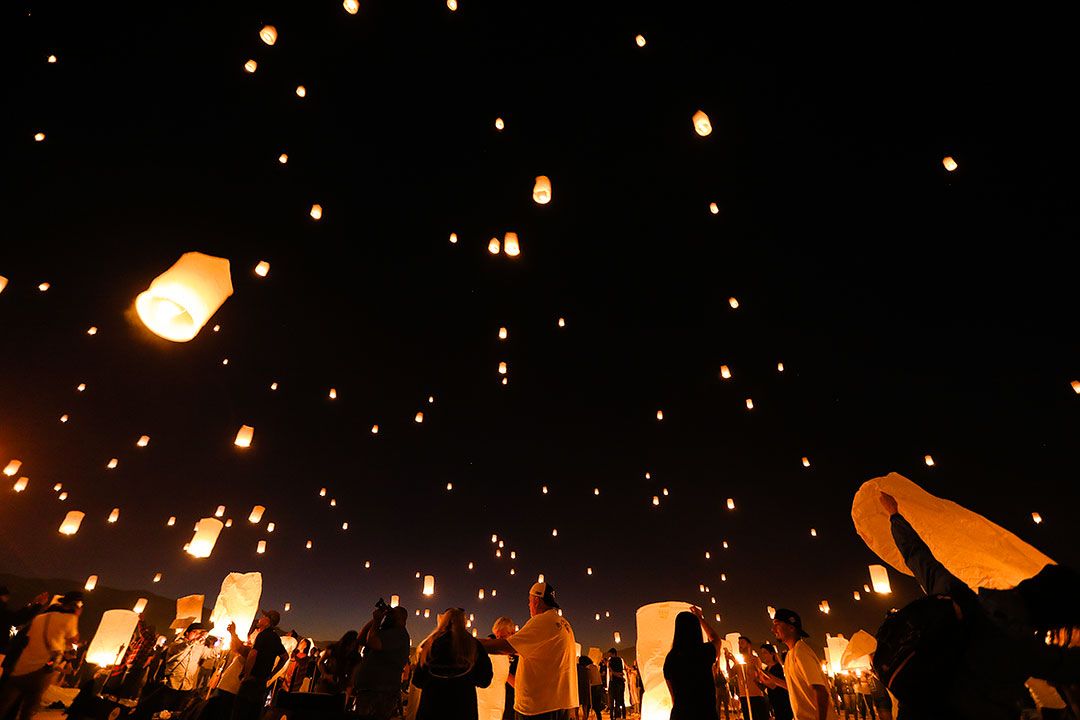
[{"x": 915, "y": 311}]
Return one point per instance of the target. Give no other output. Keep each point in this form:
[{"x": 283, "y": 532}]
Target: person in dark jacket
[
  {"x": 450, "y": 665},
  {"x": 16, "y": 618}
]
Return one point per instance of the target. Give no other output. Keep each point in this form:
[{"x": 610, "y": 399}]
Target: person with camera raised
[{"x": 376, "y": 682}]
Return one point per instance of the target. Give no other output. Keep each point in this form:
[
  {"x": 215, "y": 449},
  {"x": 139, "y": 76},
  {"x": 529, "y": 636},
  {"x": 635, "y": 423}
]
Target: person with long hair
[
  {"x": 773, "y": 669},
  {"x": 688, "y": 667},
  {"x": 450, "y": 665},
  {"x": 336, "y": 664}
]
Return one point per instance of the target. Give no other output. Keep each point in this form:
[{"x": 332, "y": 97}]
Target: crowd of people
[{"x": 1014, "y": 653}]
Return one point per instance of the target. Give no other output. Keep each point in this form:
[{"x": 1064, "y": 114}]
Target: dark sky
[{"x": 916, "y": 311}]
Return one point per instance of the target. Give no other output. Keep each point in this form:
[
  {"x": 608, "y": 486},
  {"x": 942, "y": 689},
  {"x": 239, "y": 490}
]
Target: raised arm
[
  {"x": 710, "y": 631},
  {"x": 928, "y": 570}
]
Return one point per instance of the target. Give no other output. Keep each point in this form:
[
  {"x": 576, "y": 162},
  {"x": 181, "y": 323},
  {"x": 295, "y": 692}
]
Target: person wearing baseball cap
[
  {"x": 545, "y": 685},
  {"x": 259, "y": 665},
  {"x": 808, "y": 690}
]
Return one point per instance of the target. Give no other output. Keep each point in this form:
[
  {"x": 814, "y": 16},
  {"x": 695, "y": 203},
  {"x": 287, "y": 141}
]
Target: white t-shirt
[
  {"x": 49, "y": 636},
  {"x": 491, "y": 700},
  {"x": 182, "y": 667},
  {"x": 802, "y": 670},
  {"x": 546, "y": 678}
]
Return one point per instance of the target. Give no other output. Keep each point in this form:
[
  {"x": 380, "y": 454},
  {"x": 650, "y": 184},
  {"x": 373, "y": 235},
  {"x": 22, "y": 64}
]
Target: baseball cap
[
  {"x": 195, "y": 626},
  {"x": 274, "y": 617},
  {"x": 546, "y": 592},
  {"x": 791, "y": 618}
]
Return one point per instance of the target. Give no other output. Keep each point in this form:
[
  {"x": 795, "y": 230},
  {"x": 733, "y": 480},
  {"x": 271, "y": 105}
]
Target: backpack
[{"x": 916, "y": 646}]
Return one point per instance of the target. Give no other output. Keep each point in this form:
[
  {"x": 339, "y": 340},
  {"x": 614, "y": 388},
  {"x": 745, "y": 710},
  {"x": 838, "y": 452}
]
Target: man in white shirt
[
  {"x": 804, "y": 679},
  {"x": 50, "y": 635},
  {"x": 545, "y": 683}
]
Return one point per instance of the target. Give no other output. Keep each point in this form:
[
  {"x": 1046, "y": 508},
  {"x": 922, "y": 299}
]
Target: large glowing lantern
[
  {"x": 244, "y": 436},
  {"x": 836, "y": 648},
  {"x": 268, "y": 34},
  {"x": 429, "y": 584},
  {"x": 655, "y": 629},
  {"x": 256, "y": 514},
  {"x": 237, "y": 602},
  {"x": 879, "y": 578},
  {"x": 112, "y": 637},
  {"x": 71, "y": 523},
  {"x": 183, "y": 298},
  {"x": 188, "y": 610},
  {"x": 702, "y": 126},
  {"x": 205, "y": 537},
  {"x": 542, "y": 190},
  {"x": 856, "y": 656},
  {"x": 12, "y": 468}
]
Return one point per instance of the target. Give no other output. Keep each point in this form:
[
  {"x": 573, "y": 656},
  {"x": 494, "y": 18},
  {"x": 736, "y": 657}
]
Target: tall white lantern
[
  {"x": 237, "y": 602},
  {"x": 429, "y": 584},
  {"x": 112, "y": 637},
  {"x": 71, "y": 523},
  {"x": 655, "y": 629},
  {"x": 183, "y": 298},
  {"x": 205, "y": 537},
  {"x": 879, "y": 578}
]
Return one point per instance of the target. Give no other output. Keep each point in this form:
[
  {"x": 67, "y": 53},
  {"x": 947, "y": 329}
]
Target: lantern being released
[
  {"x": 429, "y": 585},
  {"x": 542, "y": 190},
  {"x": 655, "y": 628},
  {"x": 71, "y": 523},
  {"x": 702, "y": 126},
  {"x": 237, "y": 602},
  {"x": 183, "y": 298},
  {"x": 205, "y": 537},
  {"x": 879, "y": 578},
  {"x": 113, "y": 636}
]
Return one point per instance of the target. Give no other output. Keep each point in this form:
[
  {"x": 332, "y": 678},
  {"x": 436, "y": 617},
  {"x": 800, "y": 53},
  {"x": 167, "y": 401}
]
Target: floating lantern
[
  {"x": 928, "y": 460},
  {"x": 57, "y": 486},
  {"x": 429, "y": 585},
  {"x": 71, "y": 522},
  {"x": 308, "y": 545},
  {"x": 171, "y": 521},
  {"x": 510, "y": 244},
  {"x": 723, "y": 577},
  {"x": 80, "y": 387},
  {"x": 92, "y": 330},
  {"x": 427, "y": 612},
  {"x": 256, "y": 514},
  {"x": 702, "y": 126},
  {"x": 824, "y": 607},
  {"x": 733, "y": 302},
  {"x": 494, "y": 538},
  {"x": 251, "y": 66},
  {"x": 1075, "y": 383},
  {"x": 949, "y": 163},
  {"x": 503, "y": 334},
  {"x": 813, "y": 532},
  {"x": 3, "y": 283},
  {"x": 51, "y": 59},
  {"x": 542, "y": 190},
  {"x": 596, "y": 491},
  {"x": 502, "y": 368},
  {"x": 1035, "y": 517},
  {"x": 452, "y": 4},
  {"x": 351, "y": 6},
  {"x": 714, "y": 208},
  {"x": 540, "y": 578},
  {"x": 562, "y": 322},
  {"x": 180, "y": 300},
  {"x": 238, "y": 602},
  {"x": 866, "y": 588},
  {"x": 659, "y": 414},
  {"x": 244, "y": 436},
  {"x": 494, "y": 246},
  {"x": 394, "y": 601},
  {"x": 21, "y": 484},
  {"x": 367, "y": 564},
  {"x": 268, "y": 34},
  {"x": 498, "y": 553},
  {"x": 228, "y": 523},
  {"x": 332, "y": 394},
  {"x": 453, "y": 238},
  {"x": 374, "y": 429},
  {"x": 879, "y": 578},
  {"x": 640, "y": 40},
  {"x": 504, "y": 380},
  {"x": 62, "y": 496},
  {"x": 261, "y": 547},
  {"x": 470, "y": 566},
  {"x": 43, "y": 287},
  {"x": 588, "y": 571},
  {"x": 749, "y": 403},
  {"x": 12, "y": 467},
  {"x": 554, "y": 532},
  {"x": 806, "y": 462},
  {"x": 322, "y": 492},
  {"x": 143, "y": 441},
  {"x": 140, "y": 605},
  {"x": 544, "y": 489},
  {"x": 113, "y": 635},
  {"x": 64, "y": 418},
  {"x": 771, "y": 610},
  {"x": 779, "y": 367},
  {"x": 114, "y": 515},
  {"x": 499, "y": 124},
  {"x": 856, "y": 595},
  {"x": 38, "y": 137},
  {"x": 316, "y": 210},
  {"x": 725, "y": 372},
  {"x": 270, "y": 527},
  {"x": 288, "y": 607},
  {"x": 262, "y": 268},
  {"x": 333, "y": 502},
  {"x": 480, "y": 594},
  {"x": 618, "y": 637},
  {"x": 205, "y": 537},
  {"x": 512, "y": 571},
  {"x": 283, "y": 158},
  {"x": 157, "y": 577},
  {"x": 419, "y": 417},
  {"x": 726, "y": 546},
  {"x": 655, "y": 500},
  {"x": 449, "y": 486},
  {"x": 91, "y": 583},
  {"x": 344, "y": 526},
  {"x": 730, "y": 506},
  {"x": 301, "y": 91},
  {"x": 112, "y": 464},
  {"x": 273, "y": 386}
]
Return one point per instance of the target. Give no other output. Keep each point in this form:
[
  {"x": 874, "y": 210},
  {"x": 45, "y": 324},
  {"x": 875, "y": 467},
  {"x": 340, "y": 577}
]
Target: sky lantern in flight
[
  {"x": 262, "y": 268},
  {"x": 261, "y": 547},
  {"x": 494, "y": 246},
  {"x": 114, "y": 515},
  {"x": 502, "y": 368},
  {"x": 143, "y": 441},
  {"x": 301, "y": 91},
  {"x": 351, "y": 6},
  {"x": 813, "y": 532},
  {"x": 92, "y": 330},
  {"x": 332, "y": 394},
  {"x": 730, "y": 505},
  {"x": 3, "y": 283},
  {"x": 251, "y": 66},
  {"x": 640, "y": 40},
  {"x": 879, "y": 578},
  {"x": 779, "y": 367},
  {"x": 659, "y": 414},
  {"x": 12, "y": 468},
  {"x": 510, "y": 244},
  {"x": 21, "y": 484},
  {"x": 1075, "y": 383},
  {"x": 419, "y": 417},
  {"x": 157, "y": 577},
  {"x": 725, "y": 372},
  {"x": 140, "y": 605},
  {"x": 112, "y": 464},
  {"x": 113, "y": 635},
  {"x": 268, "y": 34},
  {"x": 949, "y": 163},
  {"x": 51, "y": 59},
  {"x": 733, "y": 302},
  {"x": 71, "y": 522},
  {"x": 256, "y": 514},
  {"x": 39, "y": 136},
  {"x": 205, "y": 537},
  {"x": 749, "y": 403},
  {"x": 316, "y": 212},
  {"x": 62, "y": 496},
  {"x": 429, "y": 585},
  {"x": 220, "y": 511},
  {"x": 91, "y": 582},
  {"x": 806, "y": 462},
  {"x": 228, "y": 522},
  {"x": 244, "y": 436},
  {"x": 43, "y": 287},
  {"x": 929, "y": 460},
  {"x": 453, "y": 238},
  {"x": 283, "y": 158},
  {"x": 714, "y": 208},
  {"x": 270, "y": 527},
  {"x": 181, "y": 300},
  {"x": 503, "y": 334},
  {"x": 702, "y": 126},
  {"x": 542, "y": 190},
  {"x": 171, "y": 521},
  {"x": 499, "y": 124},
  {"x": 1035, "y": 517}
]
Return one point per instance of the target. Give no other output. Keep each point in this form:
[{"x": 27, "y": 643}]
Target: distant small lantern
[
  {"x": 813, "y": 532},
  {"x": 51, "y": 59},
  {"x": 554, "y": 532},
  {"x": 64, "y": 418},
  {"x": 38, "y": 137},
  {"x": 879, "y": 578},
  {"x": 12, "y": 468},
  {"x": 251, "y": 66},
  {"x": 143, "y": 441},
  {"x": 429, "y": 585},
  {"x": 453, "y": 238},
  {"x": 499, "y": 124},
  {"x": 140, "y": 605},
  {"x": 779, "y": 367},
  {"x": 749, "y": 403},
  {"x": 394, "y": 601},
  {"x": 171, "y": 521},
  {"x": 1076, "y": 386},
  {"x": 470, "y": 566},
  {"x": 219, "y": 511},
  {"x": 157, "y": 577},
  {"x": 332, "y": 394},
  {"x": 21, "y": 484},
  {"x": 503, "y": 334},
  {"x": 733, "y": 302},
  {"x": 640, "y": 40},
  {"x": 261, "y": 547},
  {"x": 344, "y": 526},
  {"x": 307, "y": 545},
  {"x": 244, "y": 436},
  {"x": 91, "y": 583},
  {"x": 268, "y": 34},
  {"x": 725, "y": 372},
  {"x": 480, "y": 594},
  {"x": 301, "y": 91},
  {"x": 655, "y": 500},
  {"x": 270, "y": 527},
  {"x": 806, "y": 462},
  {"x": 71, "y": 522},
  {"x": 112, "y": 464},
  {"x": 856, "y": 595},
  {"x": 283, "y": 158},
  {"x": 562, "y": 322},
  {"x": 288, "y": 607},
  {"x": 419, "y": 417},
  {"x": 730, "y": 504},
  {"x": 542, "y": 190},
  {"x": 502, "y": 368},
  {"x": 702, "y": 126},
  {"x": 228, "y": 522},
  {"x": 618, "y": 637},
  {"x": 494, "y": 246},
  {"x": 256, "y": 514},
  {"x": 588, "y": 571},
  {"x": 452, "y": 5},
  {"x": 206, "y": 534},
  {"x": 714, "y": 208},
  {"x": 273, "y": 386},
  {"x": 62, "y": 496},
  {"x": 928, "y": 460},
  {"x": 374, "y": 429},
  {"x": 316, "y": 212},
  {"x": 262, "y": 268},
  {"x": 43, "y": 287},
  {"x": 92, "y": 330},
  {"x": 180, "y": 300},
  {"x": 866, "y": 588},
  {"x": 659, "y": 414},
  {"x": 949, "y": 163},
  {"x": 1035, "y": 517},
  {"x": 80, "y": 387},
  {"x": 510, "y": 244},
  {"x": 351, "y": 6}
]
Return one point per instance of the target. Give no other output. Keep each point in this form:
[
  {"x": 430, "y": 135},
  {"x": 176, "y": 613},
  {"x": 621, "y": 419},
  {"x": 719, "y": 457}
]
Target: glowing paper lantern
[
  {"x": 143, "y": 441},
  {"x": 503, "y": 334},
  {"x": 12, "y": 468},
  {"x": 43, "y": 287},
  {"x": 256, "y": 514},
  {"x": 640, "y": 40},
  {"x": 562, "y": 322},
  {"x": 806, "y": 462},
  {"x": 92, "y": 330},
  {"x": 3, "y": 283},
  {"x": 928, "y": 460},
  {"x": 655, "y": 629},
  {"x": 351, "y": 6},
  {"x": 1035, "y": 517},
  {"x": 51, "y": 59},
  {"x": 813, "y": 532},
  {"x": 244, "y": 436},
  {"x": 855, "y": 594},
  {"x": 419, "y": 417},
  {"x": 80, "y": 387},
  {"x": 491, "y": 701},
  {"x": 262, "y": 268},
  {"x": 659, "y": 414},
  {"x": 228, "y": 523},
  {"x": 112, "y": 464},
  {"x": 189, "y": 609},
  {"x": 140, "y": 605},
  {"x": 730, "y": 505},
  {"x": 725, "y": 372},
  {"x": 205, "y": 537},
  {"x": 714, "y": 208},
  {"x": 374, "y": 429},
  {"x": 702, "y": 126},
  {"x": 220, "y": 511},
  {"x": 114, "y": 515},
  {"x": 288, "y": 607},
  {"x": 879, "y": 578},
  {"x": 494, "y": 246},
  {"x": 261, "y": 547},
  {"x": 1075, "y": 383},
  {"x": 779, "y": 367},
  {"x": 171, "y": 521},
  {"x": 180, "y": 300},
  {"x": 825, "y": 606},
  {"x": 429, "y": 585},
  {"x": 237, "y": 602},
  {"x": 749, "y": 403},
  {"x": 71, "y": 523},
  {"x": 301, "y": 91},
  {"x": 949, "y": 163},
  {"x": 836, "y": 646},
  {"x": 62, "y": 496},
  {"x": 542, "y": 190},
  {"x": 733, "y": 302},
  {"x": 452, "y": 4},
  {"x": 64, "y": 418},
  {"x": 22, "y": 482},
  {"x": 499, "y": 124},
  {"x": 655, "y": 499},
  {"x": 251, "y": 66},
  {"x": 394, "y": 601},
  {"x": 270, "y": 527},
  {"x": 453, "y": 238},
  {"x": 480, "y": 594},
  {"x": 91, "y": 582},
  {"x": 38, "y": 137},
  {"x": 113, "y": 636},
  {"x": 308, "y": 545},
  {"x": 268, "y": 34},
  {"x": 157, "y": 577},
  {"x": 856, "y": 655},
  {"x": 316, "y": 212},
  {"x": 502, "y": 368}
]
